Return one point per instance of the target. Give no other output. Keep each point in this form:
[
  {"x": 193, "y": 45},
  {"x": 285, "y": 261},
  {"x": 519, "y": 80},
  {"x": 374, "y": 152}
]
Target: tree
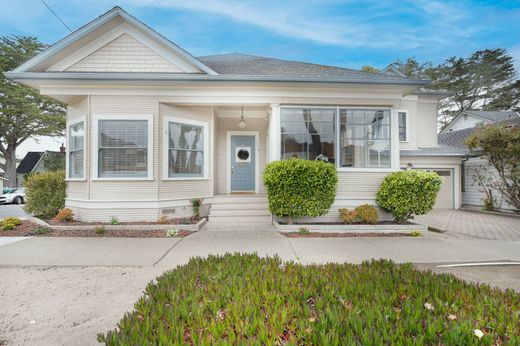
[
  {"x": 54, "y": 161},
  {"x": 24, "y": 113},
  {"x": 500, "y": 146},
  {"x": 413, "y": 69},
  {"x": 371, "y": 69}
]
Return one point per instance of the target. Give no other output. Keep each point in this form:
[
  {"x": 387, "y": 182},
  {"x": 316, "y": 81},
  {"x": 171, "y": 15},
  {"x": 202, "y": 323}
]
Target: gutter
[{"x": 169, "y": 77}]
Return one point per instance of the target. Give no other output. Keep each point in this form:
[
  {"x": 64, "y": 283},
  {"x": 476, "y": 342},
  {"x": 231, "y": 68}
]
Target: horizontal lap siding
[
  {"x": 181, "y": 189},
  {"x": 358, "y": 185}
]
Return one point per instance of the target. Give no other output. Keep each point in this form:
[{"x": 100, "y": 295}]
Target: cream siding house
[{"x": 150, "y": 127}]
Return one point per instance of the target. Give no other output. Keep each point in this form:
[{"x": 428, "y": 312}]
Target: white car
[{"x": 14, "y": 196}]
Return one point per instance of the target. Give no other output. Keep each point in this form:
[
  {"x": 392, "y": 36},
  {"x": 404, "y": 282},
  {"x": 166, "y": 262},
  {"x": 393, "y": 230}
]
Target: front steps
[{"x": 239, "y": 208}]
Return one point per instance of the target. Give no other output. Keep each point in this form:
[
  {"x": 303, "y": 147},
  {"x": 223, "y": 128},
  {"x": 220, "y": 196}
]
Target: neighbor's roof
[
  {"x": 441, "y": 150},
  {"x": 29, "y": 161},
  {"x": 494, "y": 115},
  {"x": 457, "y": 138}
]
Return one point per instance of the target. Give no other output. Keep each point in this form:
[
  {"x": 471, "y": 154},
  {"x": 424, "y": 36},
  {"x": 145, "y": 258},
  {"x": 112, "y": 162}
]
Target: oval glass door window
[{"x": 243, "y": 154}]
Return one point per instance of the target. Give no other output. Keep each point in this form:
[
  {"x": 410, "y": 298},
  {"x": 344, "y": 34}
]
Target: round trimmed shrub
[
  {"x": 298, "y": 187},
  {"x": 408, "y": 193},
  {"x": 45, "y": 194}
]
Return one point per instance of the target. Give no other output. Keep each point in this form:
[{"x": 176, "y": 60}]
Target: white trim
[
  {"x": 95, "y": 138},
  {"x": 131, "y": 204},
  {"x": 165, "y": 135},
  {"x": 275, "y": 135},
  {"x": 407, "y": 133},
  {"x": 228, "y": 156},
  {"x": 394, "y": 140},
  {"x": 81, "y": 119}
]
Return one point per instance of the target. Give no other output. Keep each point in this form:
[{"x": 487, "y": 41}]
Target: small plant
[
  {"x": 347, "y": 216},
  {"x": 100, "y": 230},
  {"x": 366, "y": 213},
  {"x": 113, "y": 221},
  {"x": 186, "y": 221},
  {"x": 172, "y": 232},
  {"x": 195, "y": 204},
  {"x": 41, "y": 230},
  {"x": 489, "y": 203},
  {"x": 64, "y": 215},
  {"x": 415, "y": 234},
  {"x": 163, "y": 220},
  {"x": 303, "y": 230},
  {"x": 10, "y": 223}
]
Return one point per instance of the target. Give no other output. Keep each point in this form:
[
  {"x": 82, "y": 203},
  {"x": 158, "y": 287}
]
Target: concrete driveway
[
  {"x": 467, "y": 224},
  {"x": 12, "y": 210}
]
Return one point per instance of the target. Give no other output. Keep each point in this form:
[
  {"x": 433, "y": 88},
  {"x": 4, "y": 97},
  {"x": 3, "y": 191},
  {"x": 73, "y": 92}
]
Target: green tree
[
  {"x": 414, "y": 69},
  {"x": 24, "y": 113},
  {"x": 371, "y": 69},
  {"x": 54, "y": 161}
]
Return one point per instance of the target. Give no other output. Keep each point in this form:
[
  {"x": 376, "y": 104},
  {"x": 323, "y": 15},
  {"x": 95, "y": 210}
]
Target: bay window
[
  {"x": 123, "y": 148},
  {"x": 76, "y": 150},
  {"x": 347, "y": 137}
]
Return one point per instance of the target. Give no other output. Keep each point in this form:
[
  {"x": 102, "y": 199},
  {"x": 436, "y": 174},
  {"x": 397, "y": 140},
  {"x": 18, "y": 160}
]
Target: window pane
[
  {"x": 402, "y": 126},
  {"x": 76, "y": 136},
  {"x": 295, "y": 146},
  {"x": 76, "y": 164},
  {"x": 379, "y": 153},
  {"x": 183, "y": 136},
  {"x": 186, "y": 150},
  {"x": 123, "y": 148},
  {"x": 185, "y": 163},
  {"x": 353, "y": 153}
]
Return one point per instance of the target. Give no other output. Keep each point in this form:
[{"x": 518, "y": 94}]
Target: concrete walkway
[
  {"x": 170, "y": 252},
  {"x": 467, "y": 224}
]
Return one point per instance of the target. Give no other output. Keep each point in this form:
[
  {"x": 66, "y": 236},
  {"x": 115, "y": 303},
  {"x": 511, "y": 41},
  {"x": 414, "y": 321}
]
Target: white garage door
[{"x": 445, "y": 196}]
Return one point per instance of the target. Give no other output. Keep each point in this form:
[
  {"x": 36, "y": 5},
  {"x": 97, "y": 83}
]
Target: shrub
[
  {"x": 186, "y": 221},
  {"x": 172, "y": 232},
  {"x": 415, "y": 234},
  {"x": 41, "y": 230},
  {"x": 100, "y": 230},
  {"x": 45, "y": 194},
  {"x": 195, "y": 204},
  {"x": 113, "y": 221},
  {"x": 10, "y": 223},
  {"x": 367, "y": 213},
  {"x": 64, "y": 215},
  {"x": 375, "y": 303},
  {"x": 408, "y": 193},
  {"x": 297, "y": 187},
  {"x": 347, "y": 216},
  {"x": 303, "y": 230},
  {"x": 163, "y": 220}
]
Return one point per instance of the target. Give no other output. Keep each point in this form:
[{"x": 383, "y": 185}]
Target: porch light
[{"x": 242, "y": 123}]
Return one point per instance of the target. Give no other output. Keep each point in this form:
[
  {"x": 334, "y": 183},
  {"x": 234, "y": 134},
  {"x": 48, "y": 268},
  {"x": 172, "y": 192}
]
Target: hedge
[
  {"x": 405, "y": 194},
  {"x": 298, "y": 187},
  {"x": 45, "y": 194},
  {"x": 247, "y": 300}
]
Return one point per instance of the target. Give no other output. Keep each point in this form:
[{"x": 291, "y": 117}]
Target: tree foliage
[
  {"x": 500, "y": 146},
  {"x": 24, "y": 113},
  {"x": 371, "y": 69}
]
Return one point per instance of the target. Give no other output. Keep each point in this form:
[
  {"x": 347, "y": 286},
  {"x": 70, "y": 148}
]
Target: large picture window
[
  {"x": 362, "y": 141},
  {"x": 185, "y": 150},
  {"x": 76, "y": 150},
  {"x": 308, "y": 133},
  {"x": 123, "y": 148}
]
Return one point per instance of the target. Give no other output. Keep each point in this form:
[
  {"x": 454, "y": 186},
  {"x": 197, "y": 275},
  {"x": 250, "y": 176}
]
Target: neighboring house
[
  {"x": 468, "y": 119},
  {"x": 472, "y": 193},
  {"x": 149, "y": 126},
  {"x": 3, "y": 181},
  {"x": 33, "y": 162}
]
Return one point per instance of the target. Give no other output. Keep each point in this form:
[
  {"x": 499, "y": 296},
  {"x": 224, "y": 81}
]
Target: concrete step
[
  {"x": 240, "y": 212},
  {"x": 241, "y": 218},
  {"x": 238, "y": 199},
  {"x": 239, "y": 206}
]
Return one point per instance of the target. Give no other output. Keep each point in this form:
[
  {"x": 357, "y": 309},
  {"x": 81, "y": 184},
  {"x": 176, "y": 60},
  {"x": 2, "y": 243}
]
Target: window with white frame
[
  {"x": 123, "y": 148},
  {"x": 403, "y": 126},
  {"x": 76, "y": 150},
  {"x": 348, "y": 137},
  {"x": 186, "y": 149}
]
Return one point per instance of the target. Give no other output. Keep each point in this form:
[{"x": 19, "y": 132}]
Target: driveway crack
[{"x": 168, "y": 251}]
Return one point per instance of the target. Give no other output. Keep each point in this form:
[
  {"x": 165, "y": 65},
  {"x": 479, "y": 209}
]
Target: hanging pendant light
[{"x": 242, "y": 123}]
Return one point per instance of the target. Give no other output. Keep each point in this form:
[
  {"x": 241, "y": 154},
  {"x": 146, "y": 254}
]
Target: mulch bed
[
  {"x": 27, "y": 228},
  {"x": 341, "y": 235},
  {"x": 176, "y": 221},
  {"x": 392, "y": 223}
]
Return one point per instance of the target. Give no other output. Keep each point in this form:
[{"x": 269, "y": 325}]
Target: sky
[{"x": 331, "y": 32}]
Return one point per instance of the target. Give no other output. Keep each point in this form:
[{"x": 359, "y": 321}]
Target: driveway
[
  {"x": 467, "y": 224},
  {"x": 62, "y": 291},
  {"x": 11, "y": 210}
]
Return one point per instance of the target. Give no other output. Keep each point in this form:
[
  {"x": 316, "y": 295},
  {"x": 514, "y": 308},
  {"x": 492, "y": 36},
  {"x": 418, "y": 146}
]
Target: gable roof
[
  {"x": 29, "y": 162},
  {"x": 97, "y": 23},
  {"x": 392, "y": 70},
  {"x": 494, "y": 115}
]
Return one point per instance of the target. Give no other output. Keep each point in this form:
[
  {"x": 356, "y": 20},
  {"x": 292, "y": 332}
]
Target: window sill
[
  {"x": 124, "y": 179},
  {"x": 76, "y": 179},
  {"x": 368, "y": 170}
]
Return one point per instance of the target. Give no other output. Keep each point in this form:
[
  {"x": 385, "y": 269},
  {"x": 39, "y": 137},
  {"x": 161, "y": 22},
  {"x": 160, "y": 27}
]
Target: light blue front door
[{"x": 243, "y": 158}]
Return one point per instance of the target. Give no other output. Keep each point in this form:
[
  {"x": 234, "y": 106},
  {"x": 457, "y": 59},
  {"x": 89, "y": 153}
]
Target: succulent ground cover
[{"x": 244, "y": 299}]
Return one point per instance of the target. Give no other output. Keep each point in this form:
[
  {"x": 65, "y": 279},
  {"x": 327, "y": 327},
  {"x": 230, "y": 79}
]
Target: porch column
[{"x": 274, "y": 133}]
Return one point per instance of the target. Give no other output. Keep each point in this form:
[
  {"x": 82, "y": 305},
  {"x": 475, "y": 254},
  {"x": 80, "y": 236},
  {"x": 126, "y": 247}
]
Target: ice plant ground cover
[{"x": 244, "y": 299}]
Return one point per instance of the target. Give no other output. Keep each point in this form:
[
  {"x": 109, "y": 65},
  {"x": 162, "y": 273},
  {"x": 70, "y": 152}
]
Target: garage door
[{"x": 445, "y": 196}]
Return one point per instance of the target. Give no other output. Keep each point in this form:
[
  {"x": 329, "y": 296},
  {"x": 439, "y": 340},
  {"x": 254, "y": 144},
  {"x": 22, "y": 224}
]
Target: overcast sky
[{"x": 343, "y": 33}]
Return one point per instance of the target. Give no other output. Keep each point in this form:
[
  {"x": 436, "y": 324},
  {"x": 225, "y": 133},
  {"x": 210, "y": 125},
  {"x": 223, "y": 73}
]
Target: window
[
  {"x": 76, "y": 150},
  {"x": 308, "y": 133},
  {"x": 403, "y": 126},
  {"x": 123, "y": 148},
  {"x": 186, "y": 150},
  {"x": 364, "y": 138}
]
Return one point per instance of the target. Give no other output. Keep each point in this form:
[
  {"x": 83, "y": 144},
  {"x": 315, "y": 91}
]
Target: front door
[{"x": 243, "y": 158}]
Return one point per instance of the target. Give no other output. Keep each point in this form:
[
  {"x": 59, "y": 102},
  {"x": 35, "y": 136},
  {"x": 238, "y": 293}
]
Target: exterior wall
[
  {"x": 461, "y": 123},
  {"x": 472, "y": 194},
  {"x": 425, "y": 127},
  {"x": 124, "y": 54}
]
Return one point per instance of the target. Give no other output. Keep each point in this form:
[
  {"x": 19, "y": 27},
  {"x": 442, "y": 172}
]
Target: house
[
  {"x": 34, "y": 162},
  {"x": 3, "y": 181},
  {"x": 472, "y": 193},
  {"x": 150, "y": 126},
  {"x": 469, "y": 119}
]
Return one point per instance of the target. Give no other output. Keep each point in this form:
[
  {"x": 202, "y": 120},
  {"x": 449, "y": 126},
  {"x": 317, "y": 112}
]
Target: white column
[
  {"x": 394, "y": 139},
  {"x": 274, "y": 133}
]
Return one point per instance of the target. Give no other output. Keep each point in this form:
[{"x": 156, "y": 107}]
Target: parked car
[{"x": 14, "y": 196}]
